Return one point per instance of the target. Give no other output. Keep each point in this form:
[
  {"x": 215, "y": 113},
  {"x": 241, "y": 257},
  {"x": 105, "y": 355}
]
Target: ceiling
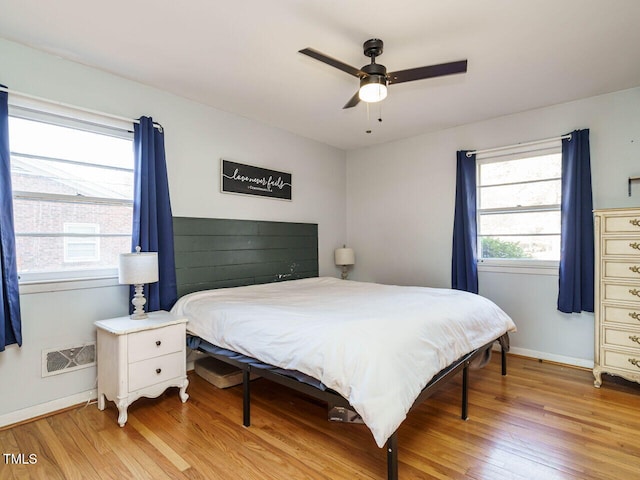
[{"x": 241, "y": 56}]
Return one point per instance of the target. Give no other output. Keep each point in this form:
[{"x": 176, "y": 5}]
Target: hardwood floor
[{"x": 543, "y": 421}]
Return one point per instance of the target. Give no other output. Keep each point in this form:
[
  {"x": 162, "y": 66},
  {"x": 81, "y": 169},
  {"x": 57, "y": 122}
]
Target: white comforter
[{"x": 377, "y": 345}]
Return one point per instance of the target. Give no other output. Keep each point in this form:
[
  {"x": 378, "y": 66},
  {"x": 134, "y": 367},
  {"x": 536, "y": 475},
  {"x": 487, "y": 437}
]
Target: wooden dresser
[{"x": 617, "y": 294}]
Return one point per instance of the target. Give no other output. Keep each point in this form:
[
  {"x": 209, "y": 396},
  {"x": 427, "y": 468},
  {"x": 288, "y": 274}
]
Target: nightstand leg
[
  {"x": 184, "y": 396},
  {"x": 101, "y": 401}
]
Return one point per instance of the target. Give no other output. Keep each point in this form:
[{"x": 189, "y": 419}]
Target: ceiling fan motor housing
[
  {"x": 374, "y": 71},
  {"x": 373, "y": 48}
]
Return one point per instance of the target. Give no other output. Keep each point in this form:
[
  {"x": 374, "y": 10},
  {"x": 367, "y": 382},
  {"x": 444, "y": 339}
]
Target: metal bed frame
[{"x": 329, "y": 396}]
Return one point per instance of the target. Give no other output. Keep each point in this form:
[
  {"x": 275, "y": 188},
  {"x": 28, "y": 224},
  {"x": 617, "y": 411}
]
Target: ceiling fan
[{"x": 374, "y": 77}]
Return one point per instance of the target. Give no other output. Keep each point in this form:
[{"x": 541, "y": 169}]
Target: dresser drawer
[
  {"x": 621, "y": 292},
  {"x": 616, "y": 314},
  {"x": 621, "y": 360},
  {"x": 616, "y": 269},
  {"x": 621, "y": 224},
  {"x": 621, "y": 246},
  {"x": 156, "y": 342},
  {"x": 155, "y": 370},
  {"x": 622, "y": 338}
]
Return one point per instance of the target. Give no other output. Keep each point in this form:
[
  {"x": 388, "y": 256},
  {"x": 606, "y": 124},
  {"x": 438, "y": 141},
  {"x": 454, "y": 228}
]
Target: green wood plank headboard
[{"x": 216, "y": 253}]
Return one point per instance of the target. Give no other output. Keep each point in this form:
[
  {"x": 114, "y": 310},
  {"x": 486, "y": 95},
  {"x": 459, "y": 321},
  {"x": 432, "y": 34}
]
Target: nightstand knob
[
  {"x": 158, "y": 343},
  {"x": 158, "y": 370}
]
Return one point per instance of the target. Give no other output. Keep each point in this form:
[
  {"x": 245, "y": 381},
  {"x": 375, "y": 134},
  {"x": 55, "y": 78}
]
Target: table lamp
[
  {"x": 344, "y": 257},
  {"x": 137, "y": 269}
]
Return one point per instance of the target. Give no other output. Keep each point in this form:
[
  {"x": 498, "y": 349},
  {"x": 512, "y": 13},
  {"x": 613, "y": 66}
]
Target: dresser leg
[
  {"x": 101, "y": 401},
  {"x": 597, "y": 373},
  {"x": 122, "y": 409},
  {"x": 184, "y": 396}
]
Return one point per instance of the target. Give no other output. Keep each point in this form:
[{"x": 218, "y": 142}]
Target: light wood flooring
[{"x": 542, "y": 421}]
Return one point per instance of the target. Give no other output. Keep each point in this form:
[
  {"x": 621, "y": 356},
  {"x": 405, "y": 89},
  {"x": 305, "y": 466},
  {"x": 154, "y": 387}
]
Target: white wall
[
  {"x": 400, "y": 204},
  {"x": 196, "y": 138}
]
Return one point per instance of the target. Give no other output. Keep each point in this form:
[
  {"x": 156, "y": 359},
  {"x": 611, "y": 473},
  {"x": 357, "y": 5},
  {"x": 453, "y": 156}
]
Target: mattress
[{"x": 376, "y": 345}]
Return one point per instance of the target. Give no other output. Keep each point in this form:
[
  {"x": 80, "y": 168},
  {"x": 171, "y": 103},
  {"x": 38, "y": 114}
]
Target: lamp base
[
  {"x": 138, "y": 302},
  {"x": 345, "y": 272}
]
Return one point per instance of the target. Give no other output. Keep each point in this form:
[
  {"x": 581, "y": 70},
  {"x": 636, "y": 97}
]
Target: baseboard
[
  {"x": 550, "y": 357},
  {"x": 30, "y": 413}
]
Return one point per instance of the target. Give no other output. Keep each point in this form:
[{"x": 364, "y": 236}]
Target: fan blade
[
  {"x": 427, "y": 72},
  {"x": 353, "y": 101},
  {"x": 333, "y": 62}
]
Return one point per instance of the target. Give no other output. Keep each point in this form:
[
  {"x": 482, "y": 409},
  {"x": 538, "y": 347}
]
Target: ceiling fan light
[{"x": 373, "y": 89}]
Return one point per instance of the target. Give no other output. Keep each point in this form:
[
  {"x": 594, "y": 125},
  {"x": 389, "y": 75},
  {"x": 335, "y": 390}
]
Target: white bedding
[{"x": 377, "y": 345}]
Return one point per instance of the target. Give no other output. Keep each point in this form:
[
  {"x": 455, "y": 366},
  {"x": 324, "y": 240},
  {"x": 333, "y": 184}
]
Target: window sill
[
  {"x": 520, "y": 267},
  {"x": 42, "y": 286}
]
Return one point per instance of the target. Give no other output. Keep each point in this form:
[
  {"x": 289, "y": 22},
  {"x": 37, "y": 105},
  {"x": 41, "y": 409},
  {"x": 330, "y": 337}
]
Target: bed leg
[
  {"x": 246, "y": 397},
  {"x": 465, "y": 392},
  {"x": 504, "y": 361},
  {"x": 392, "y": 457}
]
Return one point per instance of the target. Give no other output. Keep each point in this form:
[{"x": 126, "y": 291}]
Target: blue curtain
[
  {"x": 152, "y": 218},
  {"x": 464, "y": 267},
  {"x": 11, "y": 328},
  {"x": 576, "y": 244}
]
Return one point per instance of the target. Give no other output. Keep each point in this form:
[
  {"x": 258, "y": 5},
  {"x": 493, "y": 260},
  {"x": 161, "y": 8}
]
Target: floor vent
[{"x": 62, "y": 360}]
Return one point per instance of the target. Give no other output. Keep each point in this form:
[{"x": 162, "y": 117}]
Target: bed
[{"x": 377, "y": 349}]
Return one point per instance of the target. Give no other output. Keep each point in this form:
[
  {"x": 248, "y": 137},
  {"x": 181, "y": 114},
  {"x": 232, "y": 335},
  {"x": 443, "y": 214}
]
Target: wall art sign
[{"x": 250, "y": 180}]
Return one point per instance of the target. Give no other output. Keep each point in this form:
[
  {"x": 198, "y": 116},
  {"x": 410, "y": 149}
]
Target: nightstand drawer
[
  {"x": 156, "y": 342},
  {"x": 622, "y": 338},
  {"x": 155, "y": 370}
]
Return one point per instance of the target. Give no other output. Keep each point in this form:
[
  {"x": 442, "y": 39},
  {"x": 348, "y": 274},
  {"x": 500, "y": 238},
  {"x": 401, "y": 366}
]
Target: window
[
  {"x": 519, "y": 199},
  {"x": 72, "y": 196}
]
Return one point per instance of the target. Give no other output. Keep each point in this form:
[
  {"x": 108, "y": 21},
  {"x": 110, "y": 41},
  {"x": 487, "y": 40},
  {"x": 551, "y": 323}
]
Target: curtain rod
[
  {"x": 526, "y": 144},
  {"x": 74, "y": 107}
]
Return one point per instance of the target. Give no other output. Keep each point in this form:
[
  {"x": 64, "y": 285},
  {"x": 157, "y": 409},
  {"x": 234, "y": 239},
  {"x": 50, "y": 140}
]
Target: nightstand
[{"x": 140, "y": 358}]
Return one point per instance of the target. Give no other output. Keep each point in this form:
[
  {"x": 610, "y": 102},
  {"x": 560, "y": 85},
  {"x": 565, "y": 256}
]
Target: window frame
[
  {"x": 515, "y": 265},
  {"x": 36, "y": 282}
]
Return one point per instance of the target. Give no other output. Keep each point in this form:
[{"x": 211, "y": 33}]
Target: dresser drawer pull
[
  {"x": 634, "y": 362},
  {"x": 635, "y": 269},
  {"x": 158, "y": 371},
  {"x": 634, "y": 338},
  {"x": 158, "y": 342},
  {"x": 635, "y": 245},
  {"x": 635, "y": 222},
  {"x": 634, "y": 315},
  {"x": 634, "y": 291}
]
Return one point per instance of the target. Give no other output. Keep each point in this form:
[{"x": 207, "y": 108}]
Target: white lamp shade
[
  {"x": 345, "y": 256},
  {"x": 138, "y": 268}
]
